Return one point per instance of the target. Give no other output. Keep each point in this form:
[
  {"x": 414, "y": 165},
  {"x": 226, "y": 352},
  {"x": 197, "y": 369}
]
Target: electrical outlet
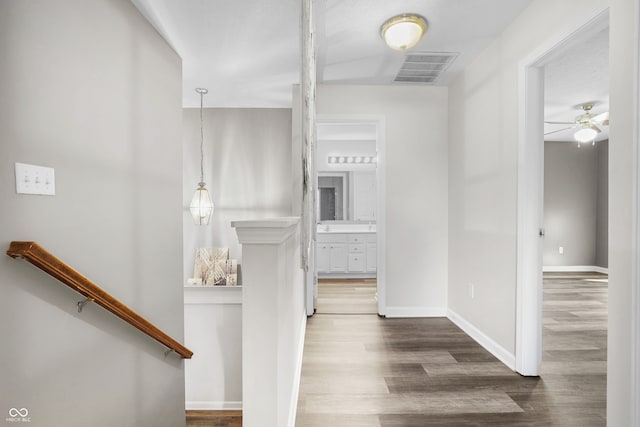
[
  {"x": 472, "y": 292},
  {"x": 31, "y": 179},
  {"x": 561, "y": 250}
]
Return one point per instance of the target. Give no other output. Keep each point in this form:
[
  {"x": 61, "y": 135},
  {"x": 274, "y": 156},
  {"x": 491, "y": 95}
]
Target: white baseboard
[
  {"x": 574, "y": 269},
  {"x": 416, "y": 312},
  {"x": 293, "y": 408},
  {"x": 207, "y": 405},
  {"x": 490, "y": 345}
]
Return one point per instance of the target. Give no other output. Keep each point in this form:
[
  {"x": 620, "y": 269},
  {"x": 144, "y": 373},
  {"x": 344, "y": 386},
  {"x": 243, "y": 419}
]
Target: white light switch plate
[{"x": 31, "y": 179}]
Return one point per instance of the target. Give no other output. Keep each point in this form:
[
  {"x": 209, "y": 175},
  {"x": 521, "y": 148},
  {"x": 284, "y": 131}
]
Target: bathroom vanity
[{"x": 346, "y": 250}]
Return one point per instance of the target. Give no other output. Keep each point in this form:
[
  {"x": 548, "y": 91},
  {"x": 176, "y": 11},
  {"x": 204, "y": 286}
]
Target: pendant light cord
[
  {"x": 202, "y": 91},
  {"x": 201, "y": 138}
]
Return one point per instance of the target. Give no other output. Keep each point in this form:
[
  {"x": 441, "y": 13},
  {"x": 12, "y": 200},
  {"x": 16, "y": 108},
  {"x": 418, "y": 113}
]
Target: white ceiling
[
  {"x": 247, "y": 52},
  {"x": 575, "y": 75}
]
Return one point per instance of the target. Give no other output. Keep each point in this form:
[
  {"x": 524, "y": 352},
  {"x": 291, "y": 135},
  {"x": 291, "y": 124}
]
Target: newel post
[{"x": 272, "y": 313}]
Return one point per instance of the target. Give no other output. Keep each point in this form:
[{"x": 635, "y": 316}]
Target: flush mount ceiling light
[
  {"x": 403, "y": 32},
  {"x": 201, "y": 205}
]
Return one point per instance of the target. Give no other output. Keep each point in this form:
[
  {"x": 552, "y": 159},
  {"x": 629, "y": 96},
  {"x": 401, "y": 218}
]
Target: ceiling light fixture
[
  {"x": 201, "y": 205},
  {"x": 402, "y": 32},
  {"x": 585, "y": 134},
  {"x": 351, "y": 159}
]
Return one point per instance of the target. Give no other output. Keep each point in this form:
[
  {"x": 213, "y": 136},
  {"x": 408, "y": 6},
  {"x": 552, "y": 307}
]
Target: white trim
[
  {"x": 270, "y": 231},
  {"x": 416, "y": 312},
  {"x": 381, "y": 144},
  {"x": 490, "y": 345},
  {"x": 575, "y": 269},
  {"x": 212, "y": 405},
  {"x": 528, "y": 350},
  {"x": 293, "y": 408},
  {"x": 635, "y": 230},
  {"x": 529, "y": 221},
  {"x": 212, "y": 295}
]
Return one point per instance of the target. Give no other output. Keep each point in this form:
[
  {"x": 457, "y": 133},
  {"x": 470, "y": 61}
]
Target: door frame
[
  {"x": 530, "y": 176},
  {"x": 379, "y": 122}
]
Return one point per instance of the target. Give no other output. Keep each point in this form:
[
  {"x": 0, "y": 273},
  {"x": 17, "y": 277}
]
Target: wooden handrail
[{"x": 53, "y": 266}]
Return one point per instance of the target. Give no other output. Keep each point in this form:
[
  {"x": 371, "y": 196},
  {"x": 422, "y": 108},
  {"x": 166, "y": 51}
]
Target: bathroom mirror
[{"x": 332, "y": 196}]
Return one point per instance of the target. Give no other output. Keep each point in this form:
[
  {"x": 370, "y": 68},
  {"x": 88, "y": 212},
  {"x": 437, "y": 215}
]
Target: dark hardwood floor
[
  {"x": 362, "y": 370},
  {"x": 214, "y": 418}
]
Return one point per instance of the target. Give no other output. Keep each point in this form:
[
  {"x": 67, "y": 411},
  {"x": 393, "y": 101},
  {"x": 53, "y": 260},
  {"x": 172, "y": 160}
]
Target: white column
[{"x": 273, "y": 316}]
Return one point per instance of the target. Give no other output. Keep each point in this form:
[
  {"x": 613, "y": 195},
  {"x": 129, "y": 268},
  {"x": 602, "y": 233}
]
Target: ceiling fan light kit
[
  {"x": 585, "y": 134},
  {"x": 402, "y": 32},
  {"x": 586, "y": 124}
]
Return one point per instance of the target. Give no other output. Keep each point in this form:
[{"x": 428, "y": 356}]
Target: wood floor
[{"x": 363, "y": 370}]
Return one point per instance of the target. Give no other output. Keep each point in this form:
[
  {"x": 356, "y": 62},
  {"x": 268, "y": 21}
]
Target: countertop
[{"x": 346, "y": 228}]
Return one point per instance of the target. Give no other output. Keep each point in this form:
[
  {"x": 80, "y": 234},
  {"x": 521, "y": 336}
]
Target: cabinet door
[
  {"x": 323, "y": 258},
  {"x": 372, "y": 257},
  {"x": 356, "y": 263},
  {"x": 338, "y": 257}
]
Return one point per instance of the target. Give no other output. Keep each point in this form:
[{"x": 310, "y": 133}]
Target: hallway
[{"x": 363, "y": 370}]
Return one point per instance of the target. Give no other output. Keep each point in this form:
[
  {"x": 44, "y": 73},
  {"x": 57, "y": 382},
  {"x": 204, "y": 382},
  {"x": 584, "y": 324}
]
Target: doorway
[
  {"x": 530, "y": 232},
  {"x": 350, "y": 237}
]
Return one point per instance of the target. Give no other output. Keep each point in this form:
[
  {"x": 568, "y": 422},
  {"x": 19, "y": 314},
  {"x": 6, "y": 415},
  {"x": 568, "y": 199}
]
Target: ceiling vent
[{"x": 424, "y": 67}]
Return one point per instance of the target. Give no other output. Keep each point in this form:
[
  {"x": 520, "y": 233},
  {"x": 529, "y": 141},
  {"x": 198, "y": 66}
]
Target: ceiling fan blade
[
  {"x": 560, "y": 123},
  {"x": 602, "y": 117},
  {"x": 559, "y": 130}
]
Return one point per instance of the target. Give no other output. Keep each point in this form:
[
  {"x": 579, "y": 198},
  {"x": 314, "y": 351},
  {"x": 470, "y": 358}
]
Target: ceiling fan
[{"x": 587, "y": 124}]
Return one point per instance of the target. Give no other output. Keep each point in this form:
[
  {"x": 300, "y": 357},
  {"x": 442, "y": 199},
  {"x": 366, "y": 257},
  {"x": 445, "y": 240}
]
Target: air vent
[{"x": 424, "y": 67}]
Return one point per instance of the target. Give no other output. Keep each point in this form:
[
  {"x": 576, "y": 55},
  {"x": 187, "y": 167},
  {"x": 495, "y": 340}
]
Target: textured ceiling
[
  {"x": 575, "y": 75},
  {"x": 247, "y": 52}
]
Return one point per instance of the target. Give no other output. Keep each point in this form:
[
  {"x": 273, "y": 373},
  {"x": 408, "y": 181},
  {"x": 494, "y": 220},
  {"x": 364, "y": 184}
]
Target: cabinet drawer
[
  {"x": 355, "y": 248},
  {"x": 331, "y": 238},
  {"x": 356, "y": 238},
  {"x": 372, "y": 238},
  {"x": 356, "y": 263}
]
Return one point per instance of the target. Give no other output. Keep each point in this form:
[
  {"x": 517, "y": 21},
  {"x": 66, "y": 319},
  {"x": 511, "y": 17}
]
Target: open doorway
[
  {"x": 348, "y": 236},
  {"x": 534, "y": 241},
  {"x": 575, "y": 217}
]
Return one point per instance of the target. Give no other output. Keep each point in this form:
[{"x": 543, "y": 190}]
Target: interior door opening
[
  {"x": 531, "y": 219},
  {"x": 350, "y": 203}
]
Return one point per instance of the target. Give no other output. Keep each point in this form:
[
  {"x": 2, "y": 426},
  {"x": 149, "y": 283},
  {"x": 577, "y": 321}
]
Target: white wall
[
  {"x": 248, "y": 173},
  {"x": 89, "y": 88},
  {"x": 623, "y": 137},
  {"x": 247, "y": 168},
  {"x": 602, "y": 210},
  {"x": 483, "y": 136},
  {"x": 213, "y": 331},
  {"x": 416, "y": 187}
]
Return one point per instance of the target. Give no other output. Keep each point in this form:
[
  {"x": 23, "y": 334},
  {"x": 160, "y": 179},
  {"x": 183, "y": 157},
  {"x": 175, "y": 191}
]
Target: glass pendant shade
[
  {"x": 403, "y": 32},
  {"x": 201, "y": 205},
  {"x": 585, "y": 134}
]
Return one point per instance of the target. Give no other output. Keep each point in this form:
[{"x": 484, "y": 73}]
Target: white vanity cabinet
[
  {"x": 372, "y": 254},
  {"x": 346, "y": 254}
]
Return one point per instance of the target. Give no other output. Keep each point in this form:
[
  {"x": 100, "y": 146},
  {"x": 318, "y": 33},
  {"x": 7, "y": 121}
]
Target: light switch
[{"x": 31, "y": 179}]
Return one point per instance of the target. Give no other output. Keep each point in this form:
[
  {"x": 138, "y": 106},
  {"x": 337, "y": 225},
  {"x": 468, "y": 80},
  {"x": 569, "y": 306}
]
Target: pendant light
[{"x": 201, "y": 205}]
